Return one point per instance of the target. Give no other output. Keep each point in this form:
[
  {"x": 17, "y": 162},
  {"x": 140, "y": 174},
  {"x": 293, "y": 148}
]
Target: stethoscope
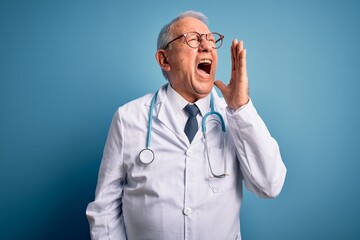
[{"x": 147, "y": 156}]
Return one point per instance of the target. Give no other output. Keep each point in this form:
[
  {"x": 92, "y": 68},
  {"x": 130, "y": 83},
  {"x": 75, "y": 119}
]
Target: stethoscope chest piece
[{"x": 146, "y": 156}]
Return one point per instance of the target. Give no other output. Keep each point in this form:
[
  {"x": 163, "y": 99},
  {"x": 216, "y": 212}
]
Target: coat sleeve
[
  {"x": 105, "y": 212},
  {"x": 259, "y": 155}
]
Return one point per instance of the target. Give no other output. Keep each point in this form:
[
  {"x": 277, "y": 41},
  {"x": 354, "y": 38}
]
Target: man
[{"x": 190, "y": 185}]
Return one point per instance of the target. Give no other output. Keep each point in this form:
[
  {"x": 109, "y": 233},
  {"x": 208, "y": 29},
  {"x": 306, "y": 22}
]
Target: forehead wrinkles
[{"x": 188, "y": 24}]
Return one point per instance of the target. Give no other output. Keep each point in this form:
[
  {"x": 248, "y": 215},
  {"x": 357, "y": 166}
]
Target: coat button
[
  {"x": 189, "y": 152},
  {"x": 187, "y": 211}
]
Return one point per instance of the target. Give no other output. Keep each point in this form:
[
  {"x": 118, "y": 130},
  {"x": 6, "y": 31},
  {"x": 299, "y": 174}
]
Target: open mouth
[{"x": 205, "y": 65}]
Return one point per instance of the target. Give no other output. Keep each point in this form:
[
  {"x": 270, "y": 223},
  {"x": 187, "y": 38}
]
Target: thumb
[{"x": 221, "y": 86}]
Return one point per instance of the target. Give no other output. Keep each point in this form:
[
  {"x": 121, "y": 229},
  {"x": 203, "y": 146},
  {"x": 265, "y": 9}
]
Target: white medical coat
[{"x": 174, "y": 197}]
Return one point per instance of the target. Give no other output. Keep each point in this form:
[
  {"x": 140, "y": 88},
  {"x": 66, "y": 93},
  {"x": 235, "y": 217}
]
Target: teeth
[{"x": 208, "y": 61}]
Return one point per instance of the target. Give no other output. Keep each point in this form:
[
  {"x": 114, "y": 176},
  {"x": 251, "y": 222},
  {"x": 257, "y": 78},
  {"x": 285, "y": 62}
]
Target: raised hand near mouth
[{"x": 236, "y": 93}]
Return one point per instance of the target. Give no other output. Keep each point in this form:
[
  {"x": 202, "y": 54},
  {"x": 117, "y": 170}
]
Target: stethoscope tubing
[
  {"x": 212, "y": 112},
  {"x": 147, "y": 155},
  {"x": 151, "y": 110}
]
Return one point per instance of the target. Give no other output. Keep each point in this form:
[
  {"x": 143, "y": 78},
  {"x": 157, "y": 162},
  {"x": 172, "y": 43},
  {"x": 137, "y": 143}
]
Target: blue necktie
[{"x": 191, "y": 126}]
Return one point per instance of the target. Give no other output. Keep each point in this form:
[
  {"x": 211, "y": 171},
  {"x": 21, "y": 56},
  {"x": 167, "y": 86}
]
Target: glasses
[{"x": 193, "y": 39}]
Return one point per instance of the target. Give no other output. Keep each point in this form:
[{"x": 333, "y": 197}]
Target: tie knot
[{"x": 191, "y": 110}]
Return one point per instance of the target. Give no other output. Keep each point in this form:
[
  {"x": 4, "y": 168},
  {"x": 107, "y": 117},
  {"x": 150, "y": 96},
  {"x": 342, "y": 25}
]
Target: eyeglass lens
[{"x": 193, "y": 39}]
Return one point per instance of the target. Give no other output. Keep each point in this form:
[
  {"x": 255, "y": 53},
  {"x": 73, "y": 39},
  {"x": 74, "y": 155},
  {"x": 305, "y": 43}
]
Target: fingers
[
  {"x": 239, "y": 47},
  {"x": 238, "y": 55},
  {"x": 243, "y": 59},
  {"x": 233, "y": 54},
  {"x": 221, "y": 86}
]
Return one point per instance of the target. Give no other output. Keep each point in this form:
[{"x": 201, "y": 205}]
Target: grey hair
[{"x": 165, "y": 34}]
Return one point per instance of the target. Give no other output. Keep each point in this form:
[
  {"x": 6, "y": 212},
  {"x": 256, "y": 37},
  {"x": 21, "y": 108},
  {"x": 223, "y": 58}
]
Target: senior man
[{"x": 174, "y": 161}]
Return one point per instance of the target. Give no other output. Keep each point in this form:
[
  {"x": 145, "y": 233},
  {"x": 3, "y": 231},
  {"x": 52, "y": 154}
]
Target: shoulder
[
  {"x": 134, "y": 109},
  {"x": 137, "y": 104}
]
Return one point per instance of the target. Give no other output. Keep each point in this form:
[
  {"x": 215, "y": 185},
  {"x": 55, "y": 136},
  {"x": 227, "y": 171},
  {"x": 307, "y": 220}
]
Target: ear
[{"x": 162, "y": 60}]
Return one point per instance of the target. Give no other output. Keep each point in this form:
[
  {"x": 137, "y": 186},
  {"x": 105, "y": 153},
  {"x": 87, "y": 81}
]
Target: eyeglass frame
[{"x": 200, "y": 34}]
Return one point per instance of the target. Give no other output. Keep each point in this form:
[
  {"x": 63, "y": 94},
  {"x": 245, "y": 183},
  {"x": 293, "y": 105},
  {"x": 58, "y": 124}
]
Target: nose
[{"x": 205, "y": 44}]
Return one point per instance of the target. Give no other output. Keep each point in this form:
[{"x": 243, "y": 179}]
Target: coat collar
[{"x": 164, "y": 113}]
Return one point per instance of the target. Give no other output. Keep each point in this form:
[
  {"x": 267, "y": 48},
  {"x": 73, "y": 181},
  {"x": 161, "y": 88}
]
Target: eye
[
  {"x": 193, "y": 37},
  {"x": 211, "y": 38}
]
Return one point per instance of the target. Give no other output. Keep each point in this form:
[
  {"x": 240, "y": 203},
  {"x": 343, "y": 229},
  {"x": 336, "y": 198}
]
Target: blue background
[{"x": 67, "y": 65}]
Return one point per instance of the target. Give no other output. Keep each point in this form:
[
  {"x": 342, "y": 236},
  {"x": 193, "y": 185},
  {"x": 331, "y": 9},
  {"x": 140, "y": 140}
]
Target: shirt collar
[{"x": 177, "y": 102}]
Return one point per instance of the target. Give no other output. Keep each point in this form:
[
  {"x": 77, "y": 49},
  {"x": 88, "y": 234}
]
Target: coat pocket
[{"x": 222, "y": 161}]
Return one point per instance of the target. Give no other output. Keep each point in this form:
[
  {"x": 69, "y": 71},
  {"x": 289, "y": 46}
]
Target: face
[{"x": 191, "y": 71}]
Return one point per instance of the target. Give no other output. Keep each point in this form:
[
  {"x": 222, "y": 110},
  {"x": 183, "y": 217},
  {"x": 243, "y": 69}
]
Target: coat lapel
[
  {"x": 212, "y": 120},
  {"x": 164, "y": 113}
]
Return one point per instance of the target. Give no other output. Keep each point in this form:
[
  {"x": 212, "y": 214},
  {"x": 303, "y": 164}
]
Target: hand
[{"x": 236, "y": 93}]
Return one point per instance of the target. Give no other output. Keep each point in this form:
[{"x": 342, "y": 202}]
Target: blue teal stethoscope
[{"x": 147, "y": 155}]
